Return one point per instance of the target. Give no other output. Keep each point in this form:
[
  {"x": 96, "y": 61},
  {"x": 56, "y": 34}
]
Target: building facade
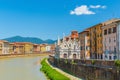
[
  {"x": 68, "y": 47},
  {"x": 96, "y": 47},
  {"x": 18, "y": 48},
  {"x": 84, "y": 39},
  {"x": 36, "y": 48},
  {"x": 4, "y": 47},
  {"x": 28, "y": 47},
  {"x": 99, "y": 41},
  {"x": 118, "y": 39},
  {"x": 111, "y": 39},
  {"x": 11, "y": 48},
  {"x": 43, "y": 47},
  {"x": 48, "y": 48},
  {"x": 52, "y": 48}
]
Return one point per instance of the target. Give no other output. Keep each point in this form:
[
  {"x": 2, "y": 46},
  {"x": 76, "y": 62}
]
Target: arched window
[
  {"x": 64, "y": 45},
  {"x": 65, "y": 55},
  {"x": 74, "y": 56}
]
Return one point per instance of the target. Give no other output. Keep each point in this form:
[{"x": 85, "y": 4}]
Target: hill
[{"x": 29, "y": 39}]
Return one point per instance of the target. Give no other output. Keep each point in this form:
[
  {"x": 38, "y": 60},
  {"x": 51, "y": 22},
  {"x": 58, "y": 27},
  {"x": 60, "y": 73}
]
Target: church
[{"x": 68, "y": 47}]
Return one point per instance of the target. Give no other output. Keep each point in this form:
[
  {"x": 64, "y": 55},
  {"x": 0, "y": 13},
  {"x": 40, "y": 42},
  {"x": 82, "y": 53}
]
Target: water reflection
[{"x": 26, "y": 68}]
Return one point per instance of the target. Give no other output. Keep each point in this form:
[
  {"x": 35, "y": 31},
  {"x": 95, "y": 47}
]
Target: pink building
[{"x": 36, "y": 48}]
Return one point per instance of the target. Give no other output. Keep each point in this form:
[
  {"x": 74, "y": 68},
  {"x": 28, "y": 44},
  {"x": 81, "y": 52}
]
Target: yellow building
[
  {"x": 11, "y": 48},
  {"x": 4, "y": 47},
  {"x": 99, "y": 41},
  {"x": 96, "y": 46},
  {"x": 43, "y": 47},
  {"x": 28, "y": 47}
]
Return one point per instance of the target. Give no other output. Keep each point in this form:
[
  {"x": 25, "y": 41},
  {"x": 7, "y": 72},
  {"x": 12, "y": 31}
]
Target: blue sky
[{"x": 46, "y": 19}]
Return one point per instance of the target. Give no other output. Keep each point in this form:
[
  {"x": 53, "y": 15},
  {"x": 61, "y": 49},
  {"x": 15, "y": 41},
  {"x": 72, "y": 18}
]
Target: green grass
[{"x": 51, "y": 73}]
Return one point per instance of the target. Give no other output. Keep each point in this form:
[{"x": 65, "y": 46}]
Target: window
[
  {"x": 109, "y": 40},
  {"x": 114, "y": 49},
  {"x": 69, "y": 45},
  {"x": 101, "y": 56},
  {"x": 110, "y": 57},
  {"x": 100, "y": 35},
  {"x": 64, "y": 45},
  {"x": 114, "y": 29},
  {"x": 74, "y": 47},
  {"x": 87, "y": 47},
  {"x": 109, "y": 48},
  {"x": 87, "y": 34},
  {"x": 114, "y": 39},
  {"x": 81, "y": 48},
  {"x": 105, "y": 56},
  {"x": 109, "y": 31},
  {"x": 115, "y": 57},
  {"x": 65, "y": 55},
  {"x": 74, "y": 56},
  {"x": 105, "y": 32},
  {"x": 105, "y": 39}
]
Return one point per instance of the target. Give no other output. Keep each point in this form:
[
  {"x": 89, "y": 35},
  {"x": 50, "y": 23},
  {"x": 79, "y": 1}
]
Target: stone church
[{"x": 68, "y": 47}]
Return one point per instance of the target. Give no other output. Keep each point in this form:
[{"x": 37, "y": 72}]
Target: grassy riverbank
[{"x": 52, "y": 74}]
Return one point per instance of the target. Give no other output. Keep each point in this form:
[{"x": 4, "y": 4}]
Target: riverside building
[
  {"x": 111, "y": 39},
  {"x": 68, "y": 47}
]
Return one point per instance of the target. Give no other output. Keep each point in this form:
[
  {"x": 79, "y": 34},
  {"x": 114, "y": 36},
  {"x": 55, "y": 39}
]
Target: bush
[
  {"x": 66, "y": 61},
  {"x": 117, "y": 63},
  {"x": 52, "y": 73},
  {"x": 73, "y": 62},
  {"x": 93, "y": 62}
]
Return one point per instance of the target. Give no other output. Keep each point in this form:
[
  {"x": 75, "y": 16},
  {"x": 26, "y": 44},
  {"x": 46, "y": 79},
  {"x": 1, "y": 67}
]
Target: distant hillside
[{"x": 29, "y": 39}]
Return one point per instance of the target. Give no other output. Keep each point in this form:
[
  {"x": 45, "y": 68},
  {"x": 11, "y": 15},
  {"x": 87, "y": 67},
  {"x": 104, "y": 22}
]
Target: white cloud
[
  {"x": 103, "y": 7},
  {"x": 82, "y": 10},
  {"x": 97, "y": 6}
]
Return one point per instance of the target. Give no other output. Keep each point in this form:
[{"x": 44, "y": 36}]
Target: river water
[{"x": 26, "y": 68}]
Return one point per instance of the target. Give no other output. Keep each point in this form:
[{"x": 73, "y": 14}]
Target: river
[{"x": 21, "y": 68}]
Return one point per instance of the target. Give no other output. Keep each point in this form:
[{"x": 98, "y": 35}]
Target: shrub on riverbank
[
  {"x": 52, "y": 73},
  {"x": 117, "y": 63}
]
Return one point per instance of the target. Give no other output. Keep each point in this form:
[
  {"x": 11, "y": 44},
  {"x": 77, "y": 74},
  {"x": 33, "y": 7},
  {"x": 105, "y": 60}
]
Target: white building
[
  {"x": 48, "y": 48},
  {"x": 111, "y": 39},
  {"x": 118, "y": 39},
  {"x": 68, "y": 47},
  {"x": 4, "y": 47}
]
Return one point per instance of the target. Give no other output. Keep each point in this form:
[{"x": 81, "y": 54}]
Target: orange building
[
  {"x": 74, "y": 34},
  {"x": 96, "y": 46}
]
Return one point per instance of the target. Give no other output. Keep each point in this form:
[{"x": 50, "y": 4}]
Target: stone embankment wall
[{"x": 88, "y": 69}]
